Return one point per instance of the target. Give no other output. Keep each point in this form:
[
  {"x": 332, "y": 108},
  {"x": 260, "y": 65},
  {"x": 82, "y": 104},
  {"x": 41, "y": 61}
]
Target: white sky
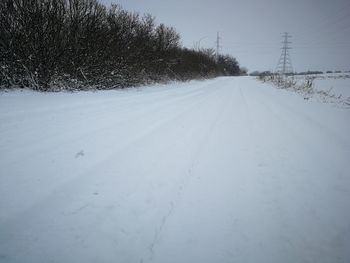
[{"x": 251, "y": 30}]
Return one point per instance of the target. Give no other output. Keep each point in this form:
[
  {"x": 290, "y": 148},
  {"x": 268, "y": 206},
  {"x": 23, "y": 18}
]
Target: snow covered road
[{"x": 224, "y": 170}]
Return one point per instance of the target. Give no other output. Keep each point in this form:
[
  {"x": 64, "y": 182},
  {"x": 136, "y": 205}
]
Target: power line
[{"x": 284, "y": 65}]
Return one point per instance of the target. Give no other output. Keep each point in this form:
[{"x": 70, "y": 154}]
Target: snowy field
[
  {"x": 330, "y": 88},
  {"x": 224, "y": 170},
  {"x": 338, "y": 84}
]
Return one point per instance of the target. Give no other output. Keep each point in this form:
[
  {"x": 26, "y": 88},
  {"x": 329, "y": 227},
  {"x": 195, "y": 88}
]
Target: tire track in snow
[
  {"x": 252, "y": 212},
  {"x": 74, "y": 133},
  {"x": 57, "y": 201},
  {"x": 190, "y": 171},
  {"x": 160, "y": 120}
]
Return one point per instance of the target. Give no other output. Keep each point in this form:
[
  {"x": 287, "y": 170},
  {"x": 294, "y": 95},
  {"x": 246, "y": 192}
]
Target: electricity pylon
[
  {"x": 217, "y": 46},
  {"x": 284, "y": 65}
]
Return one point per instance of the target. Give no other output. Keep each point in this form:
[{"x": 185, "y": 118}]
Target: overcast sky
[{"x": 251, "y": 30}]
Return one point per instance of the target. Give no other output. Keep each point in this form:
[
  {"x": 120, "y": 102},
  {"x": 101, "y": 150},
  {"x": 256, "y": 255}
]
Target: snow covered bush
[{"x": 44, "y": 41}]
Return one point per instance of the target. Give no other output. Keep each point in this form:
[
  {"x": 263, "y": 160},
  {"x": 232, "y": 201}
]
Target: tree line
[{"x": 80, "y": 44}]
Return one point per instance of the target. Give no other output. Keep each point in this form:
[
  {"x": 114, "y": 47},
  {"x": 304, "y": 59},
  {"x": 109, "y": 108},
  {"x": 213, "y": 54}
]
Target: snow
[
  {"x": 224, "y": 170},
  {"x": 331, "y": 88},
  {"x": 337, "y": 84}
]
